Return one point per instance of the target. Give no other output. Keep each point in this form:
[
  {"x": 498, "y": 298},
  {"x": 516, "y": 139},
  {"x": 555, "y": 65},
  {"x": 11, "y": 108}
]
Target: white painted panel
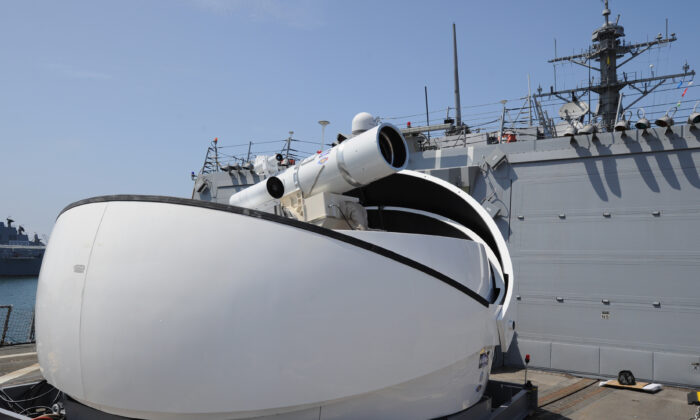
[{"x": 59, "y": 296}]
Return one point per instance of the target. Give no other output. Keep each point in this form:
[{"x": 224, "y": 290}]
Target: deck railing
[{"x": 17, "y": 326}]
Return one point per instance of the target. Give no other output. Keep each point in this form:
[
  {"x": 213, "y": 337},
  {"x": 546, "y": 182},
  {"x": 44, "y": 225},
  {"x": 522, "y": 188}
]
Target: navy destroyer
[
  {"x": 599, "y": 205},
  {"x": 19, "y": 256}
]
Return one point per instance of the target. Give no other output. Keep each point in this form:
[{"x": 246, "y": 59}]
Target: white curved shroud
[{"x": 163, "y": 310}]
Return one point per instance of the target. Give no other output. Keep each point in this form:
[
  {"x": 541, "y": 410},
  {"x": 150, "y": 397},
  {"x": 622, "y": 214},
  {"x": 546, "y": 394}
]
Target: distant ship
[{"x": 19, "y": 256}]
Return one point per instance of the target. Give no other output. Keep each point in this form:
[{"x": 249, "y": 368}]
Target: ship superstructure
[
  {"x": 19, "y": 256},
  {"x": 599, "y": 205}
]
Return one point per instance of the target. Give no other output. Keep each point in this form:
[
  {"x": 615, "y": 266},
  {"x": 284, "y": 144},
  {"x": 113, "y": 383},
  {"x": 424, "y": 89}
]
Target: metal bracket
[{"x": 496, "y": 158}]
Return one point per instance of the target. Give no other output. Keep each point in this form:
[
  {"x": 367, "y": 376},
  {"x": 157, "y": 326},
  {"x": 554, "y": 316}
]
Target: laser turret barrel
[{"x": 360, "y": 160}]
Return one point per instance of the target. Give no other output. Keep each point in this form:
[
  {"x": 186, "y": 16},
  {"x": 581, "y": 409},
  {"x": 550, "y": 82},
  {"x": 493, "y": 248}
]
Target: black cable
[
  {"x": 9, "y": 401},
  {"x": 343, "y": 214},
  {"x": 27, "y": 397}
]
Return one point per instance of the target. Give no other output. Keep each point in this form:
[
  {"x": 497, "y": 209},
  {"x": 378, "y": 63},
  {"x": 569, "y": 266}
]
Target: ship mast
[
  {"x": 607, "y": 48},
  {"x": 458, "y": 105}
]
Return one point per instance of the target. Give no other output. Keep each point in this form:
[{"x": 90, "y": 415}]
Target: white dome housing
[{"x": 362, "y": 122}]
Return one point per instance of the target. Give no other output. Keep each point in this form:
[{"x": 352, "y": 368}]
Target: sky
[{"x": 123, "y": 97}]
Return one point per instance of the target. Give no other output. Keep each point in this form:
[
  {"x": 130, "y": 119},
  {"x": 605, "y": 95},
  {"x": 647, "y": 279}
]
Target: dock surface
[
  {"x": 561, "y": 396},
  {"x": 18, "y": 365}
]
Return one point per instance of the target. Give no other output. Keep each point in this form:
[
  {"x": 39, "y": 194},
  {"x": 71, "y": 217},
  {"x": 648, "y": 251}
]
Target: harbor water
[{"x": 20, "y": 292}]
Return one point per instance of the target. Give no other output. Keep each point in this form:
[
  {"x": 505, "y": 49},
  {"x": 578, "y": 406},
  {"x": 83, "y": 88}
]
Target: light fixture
[
  {"x": 694, "y": 117},
  {"x": 667, "y": 120},
  {"x": 587, "y": 129},
  {"x": 570, "y": 131},
  {"x": 624, "y": 123},
  {"x": 642, "y": 123},
  {"x": 323, "y": 123}
]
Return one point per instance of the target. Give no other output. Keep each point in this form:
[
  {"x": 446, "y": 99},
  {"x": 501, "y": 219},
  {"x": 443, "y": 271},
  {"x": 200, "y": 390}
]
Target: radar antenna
[{"x": 606, "y": 50}]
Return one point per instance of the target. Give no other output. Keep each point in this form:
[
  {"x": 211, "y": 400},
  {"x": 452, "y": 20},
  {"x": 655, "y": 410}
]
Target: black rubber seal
[
  {"x": 275, "y": 187},
  {"x": 289, "y": 222}
]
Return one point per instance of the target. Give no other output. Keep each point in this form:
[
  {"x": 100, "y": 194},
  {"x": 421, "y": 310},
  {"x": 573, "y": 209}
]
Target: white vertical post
[{"x": 323, "y": 123}]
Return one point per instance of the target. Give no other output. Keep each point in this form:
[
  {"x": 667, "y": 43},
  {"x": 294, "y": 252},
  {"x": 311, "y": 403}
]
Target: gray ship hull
[
  {"x": 603, "y": 235},
  {"x": 18, "y": 255},
  {"x": 20, "y": 267}
]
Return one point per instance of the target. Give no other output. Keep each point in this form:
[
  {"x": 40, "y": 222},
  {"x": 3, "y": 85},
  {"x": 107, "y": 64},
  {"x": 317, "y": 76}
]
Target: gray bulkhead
[{"x": 603, "y": 232}]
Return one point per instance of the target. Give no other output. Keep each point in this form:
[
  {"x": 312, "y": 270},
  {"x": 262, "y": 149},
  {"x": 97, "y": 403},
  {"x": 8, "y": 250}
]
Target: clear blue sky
[{"x": 115, "y": 97}]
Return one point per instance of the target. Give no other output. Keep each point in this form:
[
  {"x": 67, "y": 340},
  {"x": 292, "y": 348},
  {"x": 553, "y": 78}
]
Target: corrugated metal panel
[{"x": 606, "y": 257}]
